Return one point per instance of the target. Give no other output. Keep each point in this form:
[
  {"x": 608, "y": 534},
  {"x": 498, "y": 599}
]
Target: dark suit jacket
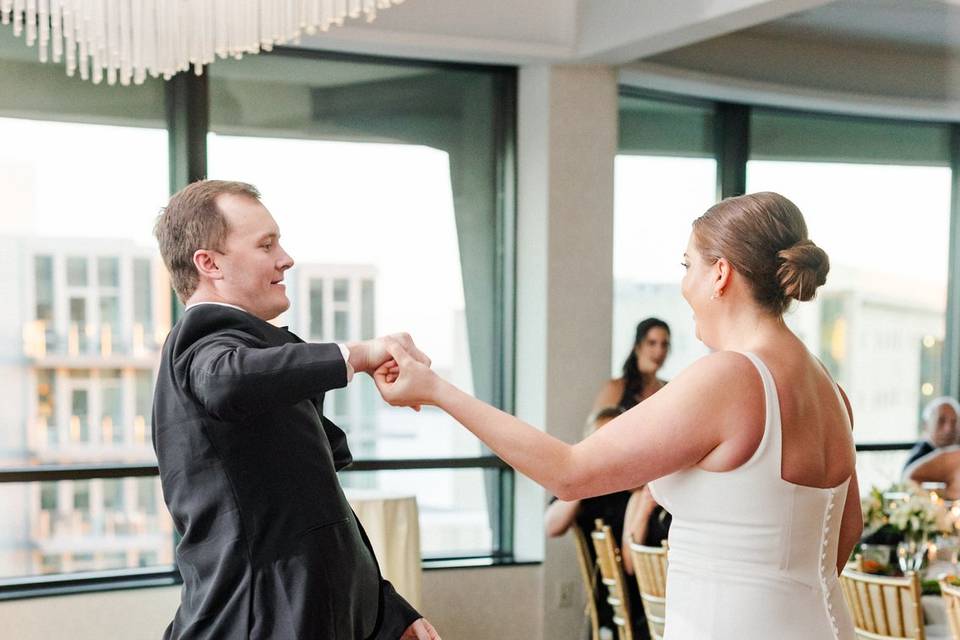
[
  {"x": 270, "y": 547},
  {"x": 920, "y": 449}
]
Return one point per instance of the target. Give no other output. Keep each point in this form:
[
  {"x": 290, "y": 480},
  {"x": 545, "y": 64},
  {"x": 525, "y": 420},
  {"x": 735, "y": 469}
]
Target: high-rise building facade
[{"x": 90, "y": 316}]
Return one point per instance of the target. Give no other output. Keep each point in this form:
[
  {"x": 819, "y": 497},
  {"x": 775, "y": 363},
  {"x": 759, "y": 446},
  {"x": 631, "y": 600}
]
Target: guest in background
[
  {"x": 940, "y": 428},
  {"x": 937, "y": 457},
  {"x": 639, "y": 380},
  {"x": 647, "y": 522},
  {"x": 561, "y": 515}
]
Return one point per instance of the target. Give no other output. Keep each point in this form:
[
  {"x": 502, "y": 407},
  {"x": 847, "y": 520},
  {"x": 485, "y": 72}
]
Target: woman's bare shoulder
[{"x": 727, "y": 365}]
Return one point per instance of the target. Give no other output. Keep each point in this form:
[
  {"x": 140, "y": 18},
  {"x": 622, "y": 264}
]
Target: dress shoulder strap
[{"x": 770, "y": 444}]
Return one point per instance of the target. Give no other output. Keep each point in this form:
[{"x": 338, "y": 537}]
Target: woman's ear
[{"x": 722, "y": 272}]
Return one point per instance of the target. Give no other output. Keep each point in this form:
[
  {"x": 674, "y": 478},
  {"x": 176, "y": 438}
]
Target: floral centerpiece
[
  {"x": 901, "y": 514},
  {"x": 906, "y": 514}
]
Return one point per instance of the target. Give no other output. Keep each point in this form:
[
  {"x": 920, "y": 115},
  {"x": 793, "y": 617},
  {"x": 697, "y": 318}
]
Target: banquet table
[{"x": 391, "y": 521}]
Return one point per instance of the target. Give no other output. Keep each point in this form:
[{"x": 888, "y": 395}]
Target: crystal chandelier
[{"x": 127, "y": 39}]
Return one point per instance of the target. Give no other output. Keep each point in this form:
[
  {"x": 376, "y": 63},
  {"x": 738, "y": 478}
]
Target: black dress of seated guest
[
  {"x": 922, "y": 448},
  {"x": 611, "y": 508}
]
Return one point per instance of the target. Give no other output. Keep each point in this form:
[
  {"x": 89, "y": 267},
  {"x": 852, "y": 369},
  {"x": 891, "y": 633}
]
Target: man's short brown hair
[{"x": 191, "y": 221}]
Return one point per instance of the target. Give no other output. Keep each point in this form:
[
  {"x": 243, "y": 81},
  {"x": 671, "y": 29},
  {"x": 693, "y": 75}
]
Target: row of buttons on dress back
[{"x": 823, "y": 568}]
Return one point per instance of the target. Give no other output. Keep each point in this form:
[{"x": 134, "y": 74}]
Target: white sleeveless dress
[{"x": 753, "y": 556}]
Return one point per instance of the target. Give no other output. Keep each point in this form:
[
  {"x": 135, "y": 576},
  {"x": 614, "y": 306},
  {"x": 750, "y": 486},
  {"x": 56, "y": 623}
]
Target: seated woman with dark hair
[{"x": 647, "y": 522}]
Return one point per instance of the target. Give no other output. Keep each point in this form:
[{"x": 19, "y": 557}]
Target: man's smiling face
[{"x": 252, "y": 262}]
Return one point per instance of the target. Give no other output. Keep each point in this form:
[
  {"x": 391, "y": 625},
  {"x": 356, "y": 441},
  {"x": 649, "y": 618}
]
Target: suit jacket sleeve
[
  {"x": 235, "y": 379},
  {"x": 397, "y": 613}
]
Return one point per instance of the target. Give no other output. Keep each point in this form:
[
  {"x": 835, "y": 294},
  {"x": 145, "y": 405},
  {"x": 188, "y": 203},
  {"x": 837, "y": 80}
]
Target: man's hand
[
  {"x": 403, "y": 381},
  {"x": 368, "y": 355},
  {"x": 420, "y": 630}
]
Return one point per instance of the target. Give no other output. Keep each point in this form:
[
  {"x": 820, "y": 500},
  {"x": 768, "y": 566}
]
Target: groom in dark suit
[{"x": 270, "y": 548}]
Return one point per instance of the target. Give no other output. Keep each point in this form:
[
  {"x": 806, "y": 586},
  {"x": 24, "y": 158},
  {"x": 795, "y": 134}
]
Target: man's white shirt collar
[{"x": 222, "y": 304}]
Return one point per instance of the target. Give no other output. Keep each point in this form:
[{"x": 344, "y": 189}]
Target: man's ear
[{"x": 206, "y": 262}]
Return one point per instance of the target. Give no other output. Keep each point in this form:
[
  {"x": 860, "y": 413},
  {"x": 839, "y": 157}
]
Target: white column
[{"x": 567, "y": 141}]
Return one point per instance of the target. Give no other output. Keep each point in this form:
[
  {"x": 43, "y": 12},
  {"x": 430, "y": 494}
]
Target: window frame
[
  {"x": 731, "y": 130},
  {"x": 187, "y": 109}
]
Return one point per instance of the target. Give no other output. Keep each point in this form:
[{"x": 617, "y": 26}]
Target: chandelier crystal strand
[
  {"x": 80, "y": 22},
  {"x": 126, "y": 53},
  {"x": 205, "y": 44},
  {"x": 329, "y": 10},
  {"x": 31, "y": 22},
  {"x": 43, "y": 22},
  {"x": 311, "y": 16},
  {"x": 148, "y": 32},
  {"x": 136, "y": 41},
  {"x": 220, "y": 29},
  {"x": 18, "y": 9},
  {"x": 127, "y": 40},
  {"x": 97, "y": 41},
  {"x": 56, "y": 29},
  {"x": 195, "y": 35},
  {"x": 112, "y": 57},
  {"x": 370, "y": 10},
  {"x": 70, "y": 38}
]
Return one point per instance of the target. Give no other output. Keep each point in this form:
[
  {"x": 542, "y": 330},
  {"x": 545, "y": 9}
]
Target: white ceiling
[
  {"x": 915, "y": 25},
  {"x": 549, "y": 31},
  {"x": 897, "y": 58}
]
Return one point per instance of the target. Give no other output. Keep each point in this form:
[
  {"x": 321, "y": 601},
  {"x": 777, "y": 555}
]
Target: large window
[
  {"x": 354, "y": 159},
  {"x": 83, "y": 170},
  {"x": 386, "y": 200},
  {"x": 665, "y": 176},
  {"x": 876, "y": 197}
]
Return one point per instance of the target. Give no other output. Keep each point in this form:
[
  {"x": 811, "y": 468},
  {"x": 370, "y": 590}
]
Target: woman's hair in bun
[
  {"x": 764, "y": 237},
  {"x": 804, "y": 267}
]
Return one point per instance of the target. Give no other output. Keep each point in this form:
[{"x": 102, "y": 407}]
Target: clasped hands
[{"x": 399, "y": 368}]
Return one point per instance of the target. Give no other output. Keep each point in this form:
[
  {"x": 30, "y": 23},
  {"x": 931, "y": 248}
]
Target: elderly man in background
[{"x": 936, "y": 458}]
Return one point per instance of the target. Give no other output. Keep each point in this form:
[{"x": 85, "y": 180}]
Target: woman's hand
[
  {"x": 404, "y": 381},
  {"x": 421, "y": 629}
]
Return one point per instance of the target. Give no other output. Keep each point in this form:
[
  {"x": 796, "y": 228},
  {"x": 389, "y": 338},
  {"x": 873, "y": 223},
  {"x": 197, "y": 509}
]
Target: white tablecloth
[{"x": 393, "y": 526}]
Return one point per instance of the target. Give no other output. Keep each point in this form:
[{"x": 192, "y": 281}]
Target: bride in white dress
[{"x": 750, "y": 448}]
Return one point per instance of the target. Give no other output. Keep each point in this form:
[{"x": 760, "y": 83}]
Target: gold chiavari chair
[
  {"x": 588, "y": 574},
  {"x": 883, "y": 607},
  {"x": 611, "y": 572},
  {"x": 951, "y": 599},
  {"x": 650, "y": 570}
]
